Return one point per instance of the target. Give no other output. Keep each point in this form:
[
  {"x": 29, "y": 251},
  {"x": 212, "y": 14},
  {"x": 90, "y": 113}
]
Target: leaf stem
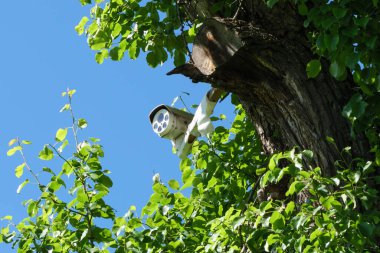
[
  {"x": 27, "y": 165},
  {"x": 73, "y": 120}
]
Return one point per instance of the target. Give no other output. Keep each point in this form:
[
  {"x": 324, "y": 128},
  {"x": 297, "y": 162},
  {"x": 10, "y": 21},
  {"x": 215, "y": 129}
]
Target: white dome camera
[{"x": 169, "y": 122}]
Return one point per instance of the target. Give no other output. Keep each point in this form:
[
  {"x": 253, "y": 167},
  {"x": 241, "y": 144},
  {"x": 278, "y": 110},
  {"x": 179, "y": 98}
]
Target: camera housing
[
  {"x": 169, "y": 122},
  {"x": 183, "y": 128}
]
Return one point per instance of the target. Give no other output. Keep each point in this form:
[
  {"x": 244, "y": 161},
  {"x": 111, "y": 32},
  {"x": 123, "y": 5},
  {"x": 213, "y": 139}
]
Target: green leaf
[
  {"x": 64, "y": 144},
  {"x": 366, "y": 229},
  {"x": 19, "y": 170},
  {"x": 355, "y": 107},
  {"x": 201, "y": 163},
  {"x": 187, "y": 178},
  {"x": 289, "y": 208},
  {"x": 277, "y": 220},
  {"x": 116, "y": 30},
  {"x": 22, "y": 185},
  {"x": 85, "y": 2},
  {"x": 133, "y": 50},
  {"x": 327, "y": 201},
  {"x": 84, "y": 234},
  {"x": 65, "y": 108},
  {"x": 98, "y": 44},
  {"x": 101, "y": 56},
  {"x": 272, "y": 238},
  {"x": 357, "y": 177},
  {"x": 295, "y": 187},
  {"x": 300, "y": 241},
  {"x": 117, "y": 53},
  {"x": 71, "y": 92},
  {"x": 11, "y": 142},
  {"x": 300, "y": 220},
  {"x": 67, "y": 168},
  {"x": 271, "y": 3},
  {"x": 179, "y": 58},
  {"x": 185, "y": 164},
  {"x": 330, "y": 139},
  {"x": 80, "y": 27},
  {"x": 13, "y": 150},
  {"x": 81, "y": 196},
  {"x": 308, "y": 154},
  {"x": 212, "y": 182},
  {"x": 175, "y": 244},
  {"x": 54, "y": 186},
  {"x": 192, "y": 31},
  {"x": 106, "y": 181},
  {"x": 8, "y": 217},
  {"x": 32, "y": 208},
  {"x": 82, "y": 123},
  {"x": 313, "y": 68},
  {"x": 160, "y": 189},
  {"x": 26, "y": 142},
  {"x": 152, "y": 60},
  {"x": 336, "y": 181},
  {"x": 302, "y": 9},
  {"x": 61, "y": 134},
  {"x": 337, "y": 70},
  {"x": 46, "y": 154},
  {"x": 331, "y": 41},
  {"x": 238, "y": 221},
  {"x": 339, "y": 12},
  {"x": 174, "y": 184}
]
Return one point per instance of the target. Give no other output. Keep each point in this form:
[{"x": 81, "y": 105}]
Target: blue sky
[{"x": 41, "y": 56}]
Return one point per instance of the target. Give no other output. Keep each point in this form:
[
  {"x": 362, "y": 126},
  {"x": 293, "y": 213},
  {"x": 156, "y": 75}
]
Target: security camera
[
  {"x": 169, "y": 122},
  {"x": 181, "y": 127}
]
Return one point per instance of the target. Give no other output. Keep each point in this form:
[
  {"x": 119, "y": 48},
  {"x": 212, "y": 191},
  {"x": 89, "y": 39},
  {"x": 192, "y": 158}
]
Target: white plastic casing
[{"x": 169, "y": 122}]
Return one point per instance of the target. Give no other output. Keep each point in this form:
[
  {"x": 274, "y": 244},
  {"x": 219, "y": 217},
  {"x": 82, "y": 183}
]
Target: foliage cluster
[
  {"x": 345, "y": 32},
  {"x": 223, "y": 213},
  {"x": 229, "y": 209}
]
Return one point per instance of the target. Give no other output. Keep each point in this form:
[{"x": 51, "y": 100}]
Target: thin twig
[
  {"x": 68, "y": 209},
  {"x": 182, "y": 29},
  {"x": 73, "y": 119},
  {"x": 238, "y": 9},
  {"x": 27, "y": 165},
  {"x": 183, "y": 102},
  {"x": 59, "y": 154}
]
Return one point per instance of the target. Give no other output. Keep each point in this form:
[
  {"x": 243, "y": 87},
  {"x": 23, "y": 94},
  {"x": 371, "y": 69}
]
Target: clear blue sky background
[{"x": 41, "y": 55}]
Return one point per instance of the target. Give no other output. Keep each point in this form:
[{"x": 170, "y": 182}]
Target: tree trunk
[{"x": 261, "y": 57}]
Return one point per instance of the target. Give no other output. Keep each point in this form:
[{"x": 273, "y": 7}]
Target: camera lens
[{"x": 160, "y": 117}]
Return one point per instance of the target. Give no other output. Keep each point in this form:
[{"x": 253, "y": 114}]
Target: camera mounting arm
[
  {"x": 181, "y": 127},
  {"x": 200, "y": 124}
]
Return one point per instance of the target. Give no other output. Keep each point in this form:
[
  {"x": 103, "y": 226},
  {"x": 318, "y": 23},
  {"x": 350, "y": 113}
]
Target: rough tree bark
[{"x": 261, "y": 56}]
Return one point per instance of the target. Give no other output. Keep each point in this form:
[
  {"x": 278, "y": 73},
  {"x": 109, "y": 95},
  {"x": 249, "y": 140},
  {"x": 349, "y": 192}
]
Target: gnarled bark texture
[{"x": 261, "y": 56}]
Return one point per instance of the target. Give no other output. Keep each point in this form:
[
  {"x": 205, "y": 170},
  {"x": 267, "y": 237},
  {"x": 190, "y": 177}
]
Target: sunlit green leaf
[
  {"x": 277, "y": 220},
  {"x": 13, "y": 150},
  {"x": 82, "y": 123},
  {"x": 46, "y": 153},
  {"x": 22, "y": 185},
  {"x": 19, "y": 170},
  {"x": 313, "y": 68},
  {"x": 61, "y": 134},
  {"x": 11, "y": 142},
  {"x": 174, "y": 184}
]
